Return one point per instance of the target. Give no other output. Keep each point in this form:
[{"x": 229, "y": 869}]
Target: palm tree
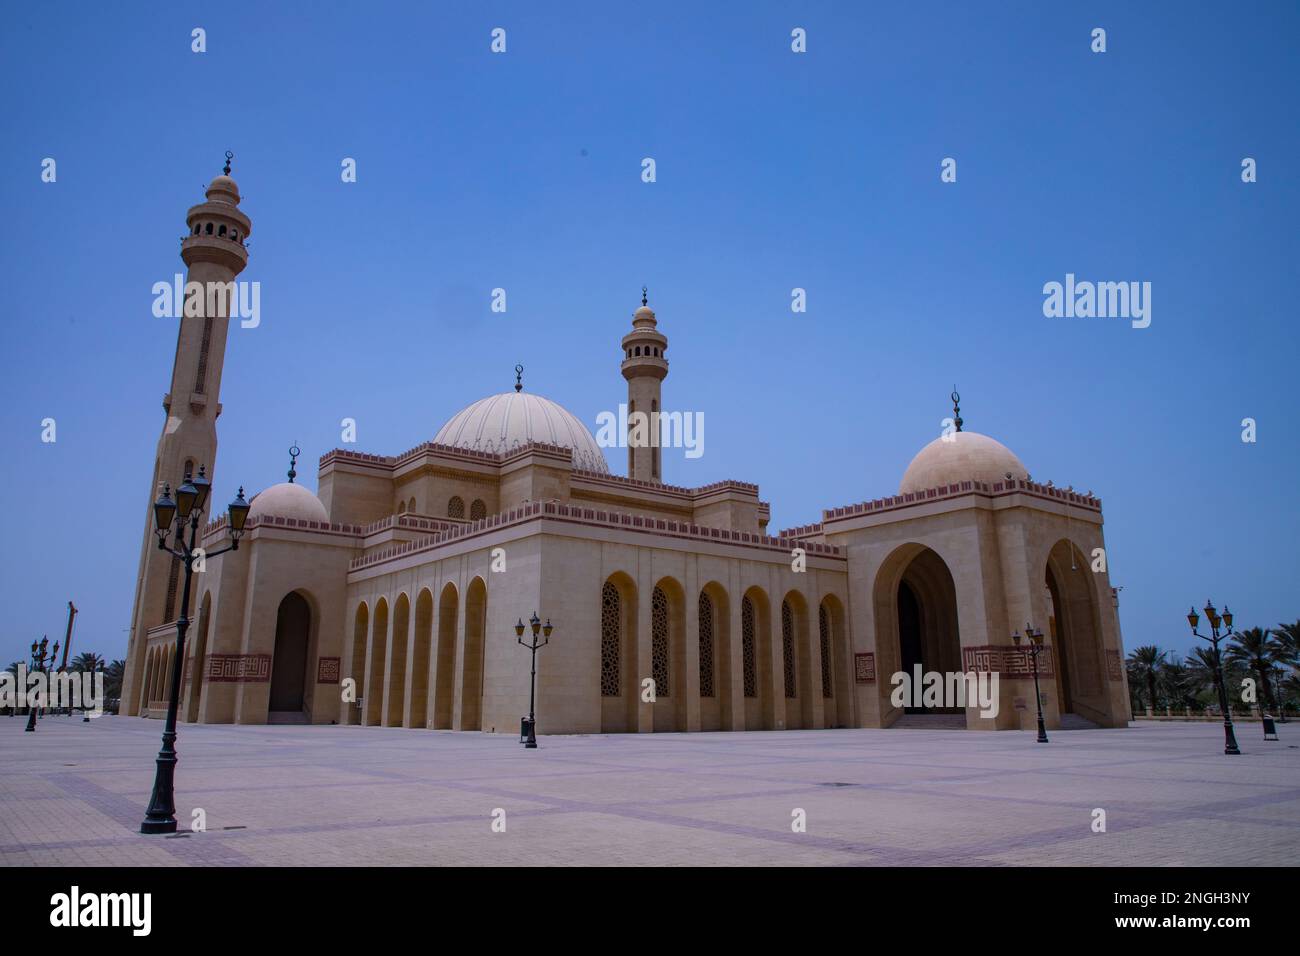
[
  {"x": 113, "y": 674},
  {"x": 1288, "y": 637},
  {"x": 1203, "y": 671},
  {"x": 88, "y": 661},
  {"x": 1145, "y": 663},
  {"x": 1177, "y": 682},
  {"x": 1256, "y": 649}
]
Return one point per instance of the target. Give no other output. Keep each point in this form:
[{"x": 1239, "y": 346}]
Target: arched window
[
  {"x": 638, "y": 350},
  {"x": 611, "y": 618},
  {"x": 411, "y": 505},
  {"x": 477, "y": 510},
  {"x": 455, "y": 508},
  {"x": 208, "y": 229},
  {"x": 659, "y": 668},
  {"x": 221, "y": 231},
  {"x": 656, "y": 351},
  {"x": 197, "y": 227},
  {"x": 749, "y": 659},
  {"x": 787, "y": 647},
  {"x": 234, "y": 234},
  {"x": 401, "y": 508},
  {"x": 706, "y": 645},
  {"x": 824, "y": 625},
  {"x": 629, "y": 353}
]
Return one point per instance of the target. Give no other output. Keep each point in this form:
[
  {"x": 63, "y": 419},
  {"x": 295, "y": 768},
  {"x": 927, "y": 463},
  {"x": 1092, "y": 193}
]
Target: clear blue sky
[{"x": 775, "y": 170}]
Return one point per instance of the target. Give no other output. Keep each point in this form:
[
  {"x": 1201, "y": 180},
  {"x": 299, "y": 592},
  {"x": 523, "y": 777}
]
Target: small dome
[
  {"x": 961, "y": 456},
  {"x": 501, "y": 423},
  {"x": 223, "y": 189},
  {"x": 287, "y": 500}
]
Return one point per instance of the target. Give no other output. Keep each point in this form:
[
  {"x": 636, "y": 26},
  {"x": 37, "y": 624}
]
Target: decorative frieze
[
  {"x": 237, "y": 668},
  {"x": 864, "y": 668},
  {"x": 1012, "y": 663}
]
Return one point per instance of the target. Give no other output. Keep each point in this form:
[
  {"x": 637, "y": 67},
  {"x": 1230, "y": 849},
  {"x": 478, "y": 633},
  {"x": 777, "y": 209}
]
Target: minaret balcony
[
  {"x": 218, "y": 249},
  {"x": 645, "y": 366}
]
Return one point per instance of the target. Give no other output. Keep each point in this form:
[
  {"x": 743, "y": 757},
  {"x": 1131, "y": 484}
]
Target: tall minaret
[
  {"x": 644, "y": 367},
  {"x": 214, "y": 253}
]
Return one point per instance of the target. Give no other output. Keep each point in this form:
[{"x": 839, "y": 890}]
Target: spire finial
[
  {"x": 956, "y": 408},
  {"x": 294, "y": 452},
  {"x": 519, "y": 378},
  {"x": 643, "y": 296},
  {"x": 229, "y": 157}
]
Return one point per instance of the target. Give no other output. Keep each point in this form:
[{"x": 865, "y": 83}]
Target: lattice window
[
  {"x": 611, "y": 628},
  {"x": 748, "y": 657},
  {"x": 787, "y": 646},
  {"x": 478, "y": 510},
  {"x": 706, "y": 645},
  {"x": 456, "y": 508},
  {"x": 659, "y": 642},
  {"x": 824, "y": 625}
]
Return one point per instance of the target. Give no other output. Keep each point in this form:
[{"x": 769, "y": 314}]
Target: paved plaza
[{"x": 74, "y": 794}]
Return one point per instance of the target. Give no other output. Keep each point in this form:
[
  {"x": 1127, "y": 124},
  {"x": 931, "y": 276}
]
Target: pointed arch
[
  {"x": 471, "y": 700},
  {"x": 360, "y": 631},
  {"x": 756, "y": 647},
  {"x": 1074, "y": 631},
  {"x": 418, "y": 710},
  {"x": 477, "y": 510},
  {"x": 797, "y": 661},
  {"x": 836, "y": 662},
  {"x": 668, "y": 654},
  {"x": 289, "y": 655},
  {"x": 456, "y": 507},
  {"x": 916, "y": 619},
  {"x": 444, "y": 677},
  {"x": 618, "y": 649},
  {"x": 715, "y": 658},
  {"x": 395, "y": 682},
  {"x": 374, "y": 693}
]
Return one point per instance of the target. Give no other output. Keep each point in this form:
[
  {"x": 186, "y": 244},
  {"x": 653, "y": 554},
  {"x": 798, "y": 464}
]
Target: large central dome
[{"x": 501, "y": 423}]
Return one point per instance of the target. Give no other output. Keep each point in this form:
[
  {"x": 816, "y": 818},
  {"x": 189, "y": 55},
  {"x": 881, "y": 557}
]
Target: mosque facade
[{"x": 391, "y": 595}]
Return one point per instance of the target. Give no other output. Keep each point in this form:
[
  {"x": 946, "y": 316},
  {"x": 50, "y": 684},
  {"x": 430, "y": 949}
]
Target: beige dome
[
  {"x": 961, "y": 456},
  {"x": 223, "y": 189},
  {"x": 501, "y": 423},
  {"x": 288, "y": 500}
]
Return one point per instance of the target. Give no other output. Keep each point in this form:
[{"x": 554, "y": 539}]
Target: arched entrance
[
  {"x": 1074, "y": 630},
  {"x": 756, "y": 660},
  {"x": 668, "y": 655},
  {"x": 618, "y": 684},
  {"x": 916, "y": 621},
  {"x": 360, "y": 630},
  {"x": 444, "y": 686},
  {"x": 471, "y": 701},
  {"x": 289, "y": 659}
]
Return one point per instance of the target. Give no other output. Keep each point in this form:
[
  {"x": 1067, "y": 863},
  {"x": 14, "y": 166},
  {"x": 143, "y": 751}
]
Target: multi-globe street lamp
[
  {"x": 536, "y": 624},
  {"x": 1035, "y": 647},
  {"x": 39, "y": 658},
  {"x": 187, "y": 508},
  {"x": 1229, "y": 738}
]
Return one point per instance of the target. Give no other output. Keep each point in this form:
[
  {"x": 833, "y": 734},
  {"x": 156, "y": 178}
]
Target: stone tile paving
[{"x": 74, "y": 794}]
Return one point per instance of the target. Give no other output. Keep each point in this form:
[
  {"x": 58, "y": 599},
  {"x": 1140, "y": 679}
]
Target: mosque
[{"x": 390, "y": 597}]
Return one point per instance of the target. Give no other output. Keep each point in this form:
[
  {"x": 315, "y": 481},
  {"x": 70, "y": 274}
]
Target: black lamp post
[
  {"x": 536, "y": 623},
  {"x": 191, "y": 497},
  {"x": 1035, "y": 647},
  {"x": 1229, "y": 738},
  {"x": 39, "y": 658}
]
